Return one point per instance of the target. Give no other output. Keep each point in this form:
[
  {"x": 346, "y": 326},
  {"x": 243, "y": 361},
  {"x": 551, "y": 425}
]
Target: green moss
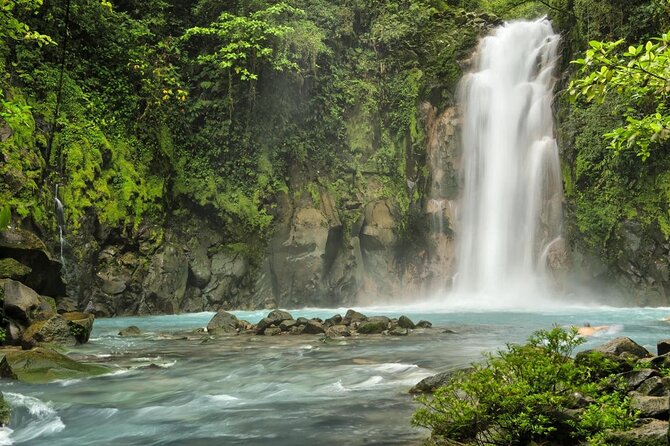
[{"x": 41, "y": 365}]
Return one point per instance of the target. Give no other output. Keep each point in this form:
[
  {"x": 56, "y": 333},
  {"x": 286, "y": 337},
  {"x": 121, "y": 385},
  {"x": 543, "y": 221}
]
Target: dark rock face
[
  {"x": 423, "y": 324},
  {"x": 27, "y": 249},
  {"x": 663, "y": 347}
]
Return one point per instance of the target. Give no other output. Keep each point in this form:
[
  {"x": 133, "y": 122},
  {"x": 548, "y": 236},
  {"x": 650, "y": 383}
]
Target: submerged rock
[
  {"x": 133, "y": 330},
  {"x": 423, "y": 324},
  {"x": 41, "y": 365}
]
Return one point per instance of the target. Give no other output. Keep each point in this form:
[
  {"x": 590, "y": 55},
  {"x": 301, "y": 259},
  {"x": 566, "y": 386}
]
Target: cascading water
[
  {"x": 511, "y": 209},
  {"x": 60, "y": 220}
]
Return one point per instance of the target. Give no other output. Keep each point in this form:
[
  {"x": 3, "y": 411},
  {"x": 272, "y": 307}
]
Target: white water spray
[{"x": 512, "y": 194}]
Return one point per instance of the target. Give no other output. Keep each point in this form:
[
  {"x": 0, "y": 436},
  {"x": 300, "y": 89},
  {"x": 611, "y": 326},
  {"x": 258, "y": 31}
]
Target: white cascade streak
[{"x": 512, "y": 193}]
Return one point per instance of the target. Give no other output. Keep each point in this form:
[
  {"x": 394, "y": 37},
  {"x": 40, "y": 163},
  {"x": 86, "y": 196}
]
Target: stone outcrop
[{"x": 279, "y": 322}]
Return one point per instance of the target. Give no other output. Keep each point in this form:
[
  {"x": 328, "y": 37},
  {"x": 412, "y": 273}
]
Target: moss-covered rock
[
  {"x": 373, "y": 327},
  {"x": 55, "y": 330},
  {"x": 41, "y": 365},
  {"x": 13, "y": 269},
  {"x": 5, "y": 411}
]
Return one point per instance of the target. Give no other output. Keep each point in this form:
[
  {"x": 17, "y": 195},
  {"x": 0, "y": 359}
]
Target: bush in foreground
[{"x": 529, "y": 393}]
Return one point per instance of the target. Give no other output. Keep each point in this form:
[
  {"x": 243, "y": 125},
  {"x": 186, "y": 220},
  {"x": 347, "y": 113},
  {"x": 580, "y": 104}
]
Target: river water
[{"x": 282, "y": 390}]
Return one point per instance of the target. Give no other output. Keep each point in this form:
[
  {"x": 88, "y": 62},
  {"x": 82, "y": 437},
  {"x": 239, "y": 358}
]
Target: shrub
[{"x": 527, "y": 393}]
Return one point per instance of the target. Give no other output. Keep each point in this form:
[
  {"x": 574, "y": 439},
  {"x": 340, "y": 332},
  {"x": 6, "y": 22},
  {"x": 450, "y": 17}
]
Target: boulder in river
[
  {"x": 81, "y": 325},
  {"x": 372, "y": 327},
  {"x": 223, "y": 322},
  {"x": 288, "y": 324},
  {"x": 277, "y": 316},
  {"x": 313, "y": 327},
  {"x": 55, "y": 330},
  {"x": 338, "y": 331},
  {"x": 423, "y": 324},
  {"x": 354, "y": 316},
  {"x": 405, "y": 322},
  {"x": 272, "y": 331}
]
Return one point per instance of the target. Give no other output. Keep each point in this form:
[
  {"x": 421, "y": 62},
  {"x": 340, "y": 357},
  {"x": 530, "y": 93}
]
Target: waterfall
[
  {"x": 60, "y": 220},
  {"x": 511, "y": 206}
]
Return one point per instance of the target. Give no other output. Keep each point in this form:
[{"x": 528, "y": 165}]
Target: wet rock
[
  {"x": 13, "y": 269},
  {"x": 54, "y": 330},
  {"x": 663, "y": 347},
  {"x": 650, "y": 432},
  {"x": 398, "y": 331},
  {"x": 165, "y": 282},
  {"x": 405, "y": 322},
  {"x": 338, "y": 331},
  {"x": 272, "y": 331},
  {"x": 651, "y": 406},
  {"x": 372, "y": 327},
  {"x": 20, "y": 302},
  {"x": 432, "y": 383},
  {"x": 313, "y": 327},
  {"x": 81, "y": 325},
  {"x": 302, "y": 321},
  {"x": 223, "y": 322},
  {"x": 622, "y": 345},
  {"x": 132, "y": 330},
  {"x": 354, "y": 316},
  {"x": 277, "y": 316},
  {"x": 66, "y": 304},
  {"x": 41, "y": 365},
  {"x": 423, "y": 324},
  {"x": 288, "y": 324}
]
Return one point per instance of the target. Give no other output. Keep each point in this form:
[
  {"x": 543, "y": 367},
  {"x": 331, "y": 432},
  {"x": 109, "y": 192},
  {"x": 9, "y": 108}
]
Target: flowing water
[
  {"x": 60, "y": 220},
  {"x": 283, "y": 390},
  {"x": 512, "y": 194}
]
